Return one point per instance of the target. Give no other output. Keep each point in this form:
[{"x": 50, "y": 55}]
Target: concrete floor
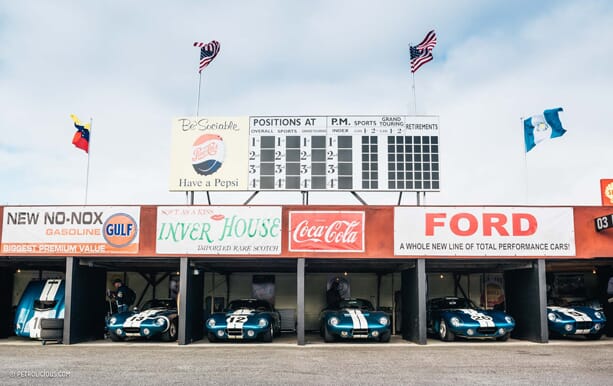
[{"x": 283, "y": 362}]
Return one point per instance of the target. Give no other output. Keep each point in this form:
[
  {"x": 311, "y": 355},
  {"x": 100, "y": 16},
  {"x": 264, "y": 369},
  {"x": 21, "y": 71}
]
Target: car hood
[
  {"x": 122, "y": 317},
  {"x": 476, "y": 314},
  {"x": 579, "y": 313},
  {"x": 348, "y": 312}
]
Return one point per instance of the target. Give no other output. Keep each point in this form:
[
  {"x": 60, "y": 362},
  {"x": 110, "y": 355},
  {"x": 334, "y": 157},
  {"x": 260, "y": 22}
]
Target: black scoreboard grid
[{"x": 344, "y": 153}]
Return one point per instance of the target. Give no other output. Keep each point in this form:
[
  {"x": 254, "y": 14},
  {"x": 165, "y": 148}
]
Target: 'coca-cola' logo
[
  {"x": 327, "y": 231},
  {"x": 337, "y": 232}
]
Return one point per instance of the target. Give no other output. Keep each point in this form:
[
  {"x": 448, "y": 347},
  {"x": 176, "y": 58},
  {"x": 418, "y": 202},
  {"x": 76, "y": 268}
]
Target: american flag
[
  {"x": 208, "y": 52},
  {"x": 422, "y": 53}
]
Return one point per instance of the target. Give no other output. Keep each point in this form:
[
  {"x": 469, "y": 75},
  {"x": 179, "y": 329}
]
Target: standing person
[
  {"x": 333, "y": 295},
  {"x": 123, "y": 294}
]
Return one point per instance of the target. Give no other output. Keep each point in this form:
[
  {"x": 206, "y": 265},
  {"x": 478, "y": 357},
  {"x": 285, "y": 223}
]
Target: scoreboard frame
[{"x": 359, "y": 153}]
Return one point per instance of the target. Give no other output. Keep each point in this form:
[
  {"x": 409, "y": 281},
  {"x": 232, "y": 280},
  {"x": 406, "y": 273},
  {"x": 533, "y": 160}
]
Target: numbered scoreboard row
[{"x": 352, "y": 161}]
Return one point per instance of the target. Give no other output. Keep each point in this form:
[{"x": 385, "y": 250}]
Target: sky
[{"x": 130, "y": 67}]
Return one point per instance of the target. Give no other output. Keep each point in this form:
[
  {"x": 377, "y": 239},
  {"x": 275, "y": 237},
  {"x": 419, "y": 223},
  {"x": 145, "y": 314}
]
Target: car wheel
[
  {"x": 594, "y": 336},
  {"x": 267, "y": 335},
  {"x": 212, "y": 337},
  {"x": 114, "y": 337},
  {"x": 328, "y": 337},
  {"x": 503, "y": 338},
  {"x": 555, "y": 335},
  {"x": 444, "y": 333},
  {"x": 385, "y": 337},
  {"x": 171, "y": 334}
]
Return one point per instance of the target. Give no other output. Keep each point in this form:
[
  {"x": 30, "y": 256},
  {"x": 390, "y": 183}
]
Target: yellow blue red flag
[{"x": 81, "y": 138}]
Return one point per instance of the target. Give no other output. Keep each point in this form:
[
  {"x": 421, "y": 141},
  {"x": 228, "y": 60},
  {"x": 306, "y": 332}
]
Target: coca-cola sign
[{"x": 326, "y": 231}]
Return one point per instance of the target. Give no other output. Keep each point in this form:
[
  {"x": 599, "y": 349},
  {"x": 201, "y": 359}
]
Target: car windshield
[
  {"x": 252, "y": 304},
  {"x": 159, "y": 303},
  {"x": 360, "y": 304},
  {"x": 451, "y": 303},
  {"x": 43, "y": 305}
]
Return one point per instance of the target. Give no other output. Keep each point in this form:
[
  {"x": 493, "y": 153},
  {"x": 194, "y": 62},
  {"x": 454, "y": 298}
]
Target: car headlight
[
  {"x": 568, "y": 327},
  {"x": 551, "y": 316},
  {"x": 455, "y": 322},
  {"x": 508, "y": 319},
  {"x": 159, "y": 321},
  {"x": 383, "y": 320},
  {"x": 333, "y": 321},
  {"x": 113, "y": 320},
  {"x": 262, "y": 322},
  {"x": 211, "y": 322},
  {"x": 598, "y": 314}
]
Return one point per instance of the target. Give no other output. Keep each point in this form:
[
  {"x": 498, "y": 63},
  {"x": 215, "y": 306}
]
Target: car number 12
[{"x": 237, "y": 319}]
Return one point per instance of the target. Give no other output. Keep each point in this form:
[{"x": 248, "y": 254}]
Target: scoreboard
[
  {"x": 306, "y": 153},
  {"x": 351, "y": 153}
]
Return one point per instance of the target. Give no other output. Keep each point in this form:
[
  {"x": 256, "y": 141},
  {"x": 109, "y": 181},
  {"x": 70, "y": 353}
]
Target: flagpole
[
  {"x": 198, "y": 100},
  {"x": 526, "y": 179},
  {"x": 89, "y": 149},
  {"x": 415, "y": 113},
  {"x": 414, "y": 95}
]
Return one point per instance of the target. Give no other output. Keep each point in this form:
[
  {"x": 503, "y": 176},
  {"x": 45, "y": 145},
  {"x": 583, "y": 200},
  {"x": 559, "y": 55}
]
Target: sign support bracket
[
  {"x": 251, "y": 197},
  {"x": 359, "y": 198}
]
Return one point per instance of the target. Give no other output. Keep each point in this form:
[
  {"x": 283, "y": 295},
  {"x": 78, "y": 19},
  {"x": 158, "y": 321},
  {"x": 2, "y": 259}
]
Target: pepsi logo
[
  {"x": 208, "y": 152},
  {"x": 120, "y": 230}
]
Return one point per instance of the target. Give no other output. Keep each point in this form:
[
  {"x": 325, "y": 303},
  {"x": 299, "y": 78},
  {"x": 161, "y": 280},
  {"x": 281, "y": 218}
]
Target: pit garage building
[{"x": 396, "y": 256}]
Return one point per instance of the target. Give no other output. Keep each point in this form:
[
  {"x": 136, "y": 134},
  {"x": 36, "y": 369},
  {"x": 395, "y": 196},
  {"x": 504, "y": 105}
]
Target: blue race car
[
  {"x": 575, "y": 320},
  {"x": 244, "y": 319},
  {"x": 354, "y": 319},
  {"x": 156, "y": 318},
  {"x": 42, "y": 302},
  {"x": 451, "y": 316}
]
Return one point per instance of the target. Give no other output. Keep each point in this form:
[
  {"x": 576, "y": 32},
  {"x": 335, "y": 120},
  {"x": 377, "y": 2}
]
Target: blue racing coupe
[
  {"x": 575, "y": 321},
  {"x": 244, "y": 319},
  {"x": 156, "y": 318},
  {"x": 42, "y": 302},
  {"x": 449, "y": 317},
  {"x": 354, "y": 319}
]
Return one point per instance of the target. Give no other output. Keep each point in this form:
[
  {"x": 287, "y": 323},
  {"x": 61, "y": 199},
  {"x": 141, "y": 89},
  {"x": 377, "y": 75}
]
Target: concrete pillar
[
  {"x": 85, "y": 302},
  {"x": 191, "y": 303},
  {"x": 413, "y": 308},
  {"x": 6, "y": 301},
  {"x": 526, "y": 301},
  {"x": 300, "y": 279}
]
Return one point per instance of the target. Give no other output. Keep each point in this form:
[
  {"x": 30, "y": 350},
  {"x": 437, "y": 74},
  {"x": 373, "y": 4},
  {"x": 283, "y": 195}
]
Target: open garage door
[
  {"x": 21, "y": 275},
  {"x": 89, "y": 310},
  {"x": 485, "y": 299}
]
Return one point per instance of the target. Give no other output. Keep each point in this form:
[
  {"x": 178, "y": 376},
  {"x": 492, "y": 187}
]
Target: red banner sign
[
  {"x": 606, "y": 192},
  {"x": 326, "y": 231}
]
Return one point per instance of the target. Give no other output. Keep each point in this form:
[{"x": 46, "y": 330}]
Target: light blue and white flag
[{"x": 540, "y": 127}]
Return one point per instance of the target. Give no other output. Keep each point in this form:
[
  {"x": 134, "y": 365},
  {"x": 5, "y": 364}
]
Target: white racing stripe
[
  {"x": 50, "y": 290},
  {"x": 238, "y": 318},
  {"x": 578, "y": 316},
  {"x": 34, "y": 323},
  {"x": 481, "y": 318},
  {"x": 137, "y": 319},
  {"x": 47, "y": 294},
  {"x": 357, "y": 318}
]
